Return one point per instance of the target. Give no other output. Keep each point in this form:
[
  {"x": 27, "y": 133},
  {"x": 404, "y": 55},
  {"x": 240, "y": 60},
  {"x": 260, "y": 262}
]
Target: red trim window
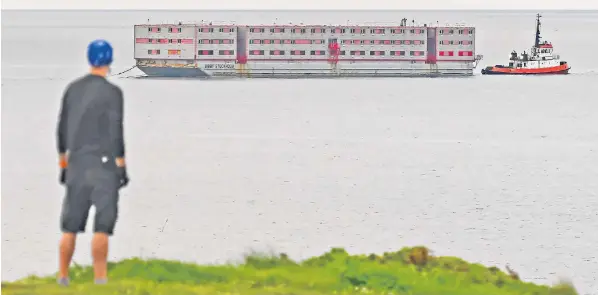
[
  {"x": 357, "y": 52},
  {"x": 465, "y": 42},
  {"x": 206, "y": 30},
  {"x": 398, "y": 42},
  {"x": 407, "y": 42},
  {"x": 347, "y": 41},
  {"x": 378, "y": 31},
  {"x": 465, "y": 53},
  {"x": 276, "y": 41},
  {"x": 255, "y": 41},
  {"x": 256, "y": 52},
  {"x": 446, "y": 42},
  {"x": 446, "y": 53},
  {"x": 416, "y": 53},
  {"x": 318, "y": 41},
  {"x": 205, "y": 52},
  {"x": 338, "y": 30},
  {"x": 187, "y": 41},
  {"x": 257, "y": 30},
  {"x": 226, "y": 30},
  {"x": 204, "y": 41},
  {"x": 154, "y": 30},
  {"x": 298, "y": 52},
  {"x": 174, "y": 52},
  {"x": 153, "y": 41},
  {"x": 163, "y": 41},
  {"x": 377, "y": 53},
  {"x": 277, "y": 30},
  {"x": 153, "y": 51},
  {"x": 397, "y": 31},
  {"x": 418, "y": 42},
  {"x": 276, "y": 52},
  {"x": 266, "y": 41},
  {"x": 302, "y": 41},
  {"x": 318, "y": 52},
  {"x": 142, "y": 40},
  {"x": 397, "y": 53},
  {"x": 318, "y": 30},
  {"x": 367, "y": 42},
  {"x": 287, "y": 41},
  {"x": 226, "y": 52}
]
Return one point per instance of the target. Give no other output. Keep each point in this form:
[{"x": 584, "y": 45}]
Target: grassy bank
[{"x": 408, "y": 271}]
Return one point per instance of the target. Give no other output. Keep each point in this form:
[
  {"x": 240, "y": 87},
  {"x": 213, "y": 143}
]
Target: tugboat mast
[{"x": 537, "y": 43}]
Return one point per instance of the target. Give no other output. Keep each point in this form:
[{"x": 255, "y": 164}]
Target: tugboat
[{"x": 541, "y": 60}]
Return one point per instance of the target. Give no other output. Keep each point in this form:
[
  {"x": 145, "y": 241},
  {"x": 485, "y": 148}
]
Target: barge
[{"x": 297, "y": 51}]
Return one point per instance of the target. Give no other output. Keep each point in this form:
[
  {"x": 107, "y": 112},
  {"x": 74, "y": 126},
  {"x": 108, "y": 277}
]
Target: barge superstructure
[{"x": 279, "y": 51}]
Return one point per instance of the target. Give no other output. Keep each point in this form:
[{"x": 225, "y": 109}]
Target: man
[{"x": 92, "y": 159}]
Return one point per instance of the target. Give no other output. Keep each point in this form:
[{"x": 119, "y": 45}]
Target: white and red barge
[{"x": 211, "y": 50}]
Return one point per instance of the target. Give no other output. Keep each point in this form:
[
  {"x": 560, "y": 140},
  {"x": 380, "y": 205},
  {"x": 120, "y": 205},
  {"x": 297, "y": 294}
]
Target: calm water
[{"x": 493, "y": 169}]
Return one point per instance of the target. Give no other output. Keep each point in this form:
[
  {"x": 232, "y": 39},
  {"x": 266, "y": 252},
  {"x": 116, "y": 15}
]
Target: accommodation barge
[{"x": 295, "y": 51}]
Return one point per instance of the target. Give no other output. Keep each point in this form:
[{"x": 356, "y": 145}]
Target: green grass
[{"x": 409, "y": 271}]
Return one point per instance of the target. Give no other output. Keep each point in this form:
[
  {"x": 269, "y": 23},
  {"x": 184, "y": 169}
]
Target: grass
[{"x": 410, "y": 271}]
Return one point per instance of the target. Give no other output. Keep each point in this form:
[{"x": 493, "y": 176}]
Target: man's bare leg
[
  {"x": 67, "y": 248},
  {"x": 99, "y": 250}
]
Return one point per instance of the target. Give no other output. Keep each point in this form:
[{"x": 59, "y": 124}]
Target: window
[
  {"x": 465, "y": 53},
  {"x": 318, "y": 52},
  {"x": 174, "y": 52},
  {"x": 451, "y": 31},
  {"x": 226, "y": 52},
  {"x": 397, "y": 31},
  {"x": 257, "y": 30},
  {"x": 318, "y": 30},
  {"x": 154, "y": 29},
  {"x": 206, "y": 30},
  {"x": 416, "y": 53},
  {"x": 407, "y": 42},
  {"x": 298, "y": 52},
  {"x": 178, "y": 41},
  {"x": 445, "y": 53},
  {"x": 338, "y": 30},
  {"x": 153, "y": 51},
  {"x": 397, "y": 53},
  {"x": 226, "y": 30},
  {"x": 412, "y": 31},
  {"x": 205, "y": 52},
  {"x": 465, "y": 42},
  {"x": 357, "y": 52},
  {"x": 293, "y": 31},
  {"x": 277, "y": 30},
  {"x": 398, "y": 42},
  {"x": 255, "y": 41},
  {"x": 378, "y": 31},
  {"x": 377, "y": 53},
  {"x": 256, "y": 52},
  {"x": 276, "y": 52},
  {"x": 303, "y": 31}
]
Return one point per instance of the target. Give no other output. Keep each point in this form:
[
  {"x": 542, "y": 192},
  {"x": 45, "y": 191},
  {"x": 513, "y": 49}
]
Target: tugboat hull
[{"x": 500, "y": 70}]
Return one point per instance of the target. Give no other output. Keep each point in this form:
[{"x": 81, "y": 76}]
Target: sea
[{"x": 495, "y": 170}]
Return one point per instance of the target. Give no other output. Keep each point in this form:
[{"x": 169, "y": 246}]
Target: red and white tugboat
[{"x": 541, "y": 60}]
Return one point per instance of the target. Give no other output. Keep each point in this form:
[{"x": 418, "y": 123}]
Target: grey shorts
[{"x": 84, "y": 188}]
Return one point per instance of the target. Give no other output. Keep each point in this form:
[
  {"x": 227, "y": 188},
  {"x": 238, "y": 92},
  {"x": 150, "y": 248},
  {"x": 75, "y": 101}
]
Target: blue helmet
[{"x": 99, "y": 53}]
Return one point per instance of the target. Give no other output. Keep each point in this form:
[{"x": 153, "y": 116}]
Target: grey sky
[{"x": 302, "y": 4}]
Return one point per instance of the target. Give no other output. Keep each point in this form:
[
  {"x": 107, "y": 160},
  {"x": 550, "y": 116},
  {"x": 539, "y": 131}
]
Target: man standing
[{"x": 92, "y": 159}]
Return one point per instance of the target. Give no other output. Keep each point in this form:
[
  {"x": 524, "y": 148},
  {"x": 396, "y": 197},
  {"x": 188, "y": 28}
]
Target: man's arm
[
  {"x": 117, "y": 130},
  {"x": 61, "y": 131}
]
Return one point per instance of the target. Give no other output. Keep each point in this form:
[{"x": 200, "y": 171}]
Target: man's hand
[
  {"x": 121, "y": 170},
  {"x": 63, "y": 163}
]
